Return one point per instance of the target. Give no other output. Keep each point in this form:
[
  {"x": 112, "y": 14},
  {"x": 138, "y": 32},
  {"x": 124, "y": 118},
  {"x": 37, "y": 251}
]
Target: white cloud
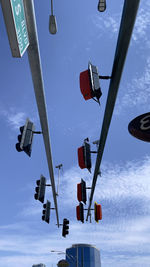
[
  {"x": 132, "y": 179},
  {"x": 121, "y": 234},
  {"x": 130, "y": 238},
  {"x": 137, "y": 91},
  {"x": 142, "y": 22},
  {"x": 14, "y": 119},
  {"x": 112, "y": 24}
]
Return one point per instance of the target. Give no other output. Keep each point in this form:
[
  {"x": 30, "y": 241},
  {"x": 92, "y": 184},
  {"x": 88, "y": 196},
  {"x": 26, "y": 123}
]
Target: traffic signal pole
[
  {"x": 37, "y": 77},
  {"x": 127, "y": 23}
]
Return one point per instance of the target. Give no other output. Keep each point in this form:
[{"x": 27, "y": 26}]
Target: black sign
[{"x": 140, "y": 127}]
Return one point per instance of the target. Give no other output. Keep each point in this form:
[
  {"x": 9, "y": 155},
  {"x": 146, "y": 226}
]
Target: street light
[
  {"x": 101, "y": 5},
  {"x": 63, "y": 263},
  {"x": 52, "y": 21},
  {"x": 72, "y": 258}
]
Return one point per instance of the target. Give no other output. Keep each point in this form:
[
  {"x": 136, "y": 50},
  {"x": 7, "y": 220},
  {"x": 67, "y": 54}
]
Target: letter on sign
[{"x": 145, "y": 122}]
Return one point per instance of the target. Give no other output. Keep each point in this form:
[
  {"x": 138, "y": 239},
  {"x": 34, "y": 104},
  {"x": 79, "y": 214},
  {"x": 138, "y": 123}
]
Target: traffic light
[
  {"x": 46, "y": 211},
  {"x": 65, "y": 229},
  {"x": 84, "y": 156},
  {"x": 97, "y": 212},
  {"x": 101, "y": 5},
  {"x": 80, "y": 212},
  {"x": 40, "y": 189},
  {"x": 89, "y": 83},
  {"x": 81, "y": 191},
  {"x": 25, "y": 138}
]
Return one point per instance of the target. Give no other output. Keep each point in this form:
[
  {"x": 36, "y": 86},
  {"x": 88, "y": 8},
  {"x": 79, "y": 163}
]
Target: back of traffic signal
[
  {"x": 84, "y": 155},
  {"x": 90, "y": 89},
  {"x": 89, "y": 83},
  {"x": 97, "y": 212},
  {"x": 25, "y": 138},
  {"x": 82, "y": 198}
]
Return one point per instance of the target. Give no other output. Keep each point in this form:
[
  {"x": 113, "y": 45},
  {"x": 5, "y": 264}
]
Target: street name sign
[
  {"x": 14, "y": 16},
  {"x": 140, "y": 127}
]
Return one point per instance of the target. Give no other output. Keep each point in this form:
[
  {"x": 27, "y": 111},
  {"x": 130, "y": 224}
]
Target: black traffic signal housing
[
  {"x": 97, "y": 212},
  {"x": 40, "y": 189},
  {"x": 46, "y": 211},
  {"x": 84, "y": 156},
  {"x": 25, "y": 138},
  {"x": 80, "y": 212},
  {"x": 65, "y": 229},
  {"x": 81, "y": 191}
]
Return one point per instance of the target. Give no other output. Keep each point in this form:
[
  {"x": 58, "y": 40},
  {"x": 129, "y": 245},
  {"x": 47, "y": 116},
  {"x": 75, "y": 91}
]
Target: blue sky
[{"x": 124, "y": 189}]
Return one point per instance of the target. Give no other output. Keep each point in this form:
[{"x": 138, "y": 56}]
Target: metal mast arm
[
  {"x": 36, "y": 71},
  {"x": 127, "y": 23}
]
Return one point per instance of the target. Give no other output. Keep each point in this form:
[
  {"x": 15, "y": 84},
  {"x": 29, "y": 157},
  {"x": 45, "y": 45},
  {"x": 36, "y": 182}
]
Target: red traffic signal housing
[
  {"x": 85, "y": 85},
  {"x": 97, "y": 212},
  {"x": 84, "y": 156},
  {"x": 81, "y": 191},
  {"x": 80, "y": 212},
  {"x": 89, "y": 83},
  {"x": 81, "y": 157}
]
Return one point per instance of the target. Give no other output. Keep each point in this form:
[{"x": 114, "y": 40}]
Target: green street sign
[
  {"x": 14, "y": 15},
  {"x": 20, "y": 24}
]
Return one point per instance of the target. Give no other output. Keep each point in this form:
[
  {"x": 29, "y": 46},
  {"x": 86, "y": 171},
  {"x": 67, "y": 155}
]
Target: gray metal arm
[
  {"x": 127, "y": 23},
  {"x": 36, "y": 71}
]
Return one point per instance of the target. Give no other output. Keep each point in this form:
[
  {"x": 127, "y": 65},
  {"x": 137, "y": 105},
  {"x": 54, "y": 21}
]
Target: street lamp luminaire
[
  {"x": 52, "y": 21},
  {"x": 101, "y": 5}
]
